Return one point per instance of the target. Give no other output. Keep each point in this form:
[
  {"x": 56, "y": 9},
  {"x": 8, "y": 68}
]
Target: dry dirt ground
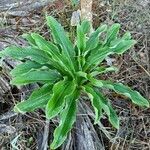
[{"x": 31, "y": 131}]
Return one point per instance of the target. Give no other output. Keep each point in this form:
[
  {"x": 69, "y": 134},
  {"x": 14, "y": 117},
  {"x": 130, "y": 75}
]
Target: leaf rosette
[{"x": 66, "y": 69}]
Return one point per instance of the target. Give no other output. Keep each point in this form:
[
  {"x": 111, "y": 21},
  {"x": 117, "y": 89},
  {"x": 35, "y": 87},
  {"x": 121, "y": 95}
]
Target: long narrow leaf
[
  {"x": 96, "y": 103},
  {"x": 28, "y": 52},
  {"x": 113, "y": 118},
  {"x": 112, "y": 33},
  {"x": 53, "y": 51},
  {"x": 25, "y": 67},
  {"x": 60, "y": 38},
  {"x": 121, "y": 46},
  {"x": 81, "y": 39},
  {"x": 100, "y": 70},
  {"x": 34, "y": 54},
  {"x": 43, "y": 44},
  {"x": 29, "y": 38},
  {"x": 36, "y": 76},
  {"x": 60, "y": 91},
  {"x": 100, "y": 103},
  {"x": 117, "y": 46},
  {"x": 93, "y": 40},
  {"x": 96, "y": 58},
  {"x": 86, "y": 26},
  {"x": 38, "y": 99},
  {"x": 68, "y": 117},
  {"x": 135, "y": 96}
]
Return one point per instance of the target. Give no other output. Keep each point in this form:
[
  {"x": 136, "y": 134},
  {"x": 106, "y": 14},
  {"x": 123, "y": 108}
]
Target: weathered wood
[
  {"x": 86, "y": 137},
  {"x": 22, "y": 7}
]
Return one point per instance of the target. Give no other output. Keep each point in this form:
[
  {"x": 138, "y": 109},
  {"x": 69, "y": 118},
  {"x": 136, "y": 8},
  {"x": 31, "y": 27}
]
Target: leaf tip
[
  {"x": 116, "y": 124},
  {"x": 25, "y": 35},
  {"x": 48, "y": 115},
  {"x": 147, "y": 104}
]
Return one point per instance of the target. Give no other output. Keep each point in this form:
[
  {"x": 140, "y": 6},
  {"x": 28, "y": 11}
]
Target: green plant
[{"x": 65, "y": 70}]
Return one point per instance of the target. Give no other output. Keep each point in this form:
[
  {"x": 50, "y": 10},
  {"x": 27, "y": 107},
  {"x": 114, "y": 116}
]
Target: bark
[{"x": 86, "y": 137}]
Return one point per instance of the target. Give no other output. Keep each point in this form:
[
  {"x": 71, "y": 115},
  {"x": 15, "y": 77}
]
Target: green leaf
[
  {"x": 100, "y": 103},
  {"x": 25, "y": 67},
  {"x": 86, "y": 25},
  {"x": 34, "y": 54},
  {"x": 60, "y": 91},
  {"x": 58, "y": 67},
  {"x": 60, "y": 38},
  {"x": 43, "y": 44},
  {"x": 135, "y": 96},
  {"x": 20, "y": 53},
  {"x": 96, "y": 58},
  {"x": 37, "y": 99},
  {"x": 127, "y": 36},
  {"x": 112, "y": 33},
  {"x": 93, "y": 40},
  {"x": 36, "y": 76},
  {"x": 53, "y": 51},
  {"x": 82, "y": 74},
  {"x": 95, "y": 82},
  {"x": 121, "y": 46},
  {"x": 81, "y": 39},
  {"x": 96, "y": 102},
  {"x": 113, "y": 118},
  {"x": 68, "y": 117},
  {"x": 29, "y": 38},
  {"x": 100, "y": 70}
]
